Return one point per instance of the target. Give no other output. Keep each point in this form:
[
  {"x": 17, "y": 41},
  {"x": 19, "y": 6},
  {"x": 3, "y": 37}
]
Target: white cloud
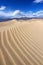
[
  {"x": 2, "y": 8},
  {"x": 18, "y": 14},
  {"x": 39, "y": 13},
  {"x": 15, "y": 12},
  {"x": 38, "y": 1}
]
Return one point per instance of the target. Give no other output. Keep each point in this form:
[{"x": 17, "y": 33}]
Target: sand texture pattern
[{"x": 21, "y": 43}]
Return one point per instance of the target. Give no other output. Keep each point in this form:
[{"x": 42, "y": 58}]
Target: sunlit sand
[{"x": 21, "y": 42}]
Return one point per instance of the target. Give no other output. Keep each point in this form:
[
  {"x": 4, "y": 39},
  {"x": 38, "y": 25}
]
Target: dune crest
[{"x": 21, "y": 43}]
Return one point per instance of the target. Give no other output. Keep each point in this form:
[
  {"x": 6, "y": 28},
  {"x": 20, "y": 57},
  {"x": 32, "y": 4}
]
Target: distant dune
[{"x": 21, "y": 42}]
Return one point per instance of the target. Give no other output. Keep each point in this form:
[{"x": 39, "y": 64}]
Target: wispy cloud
[
  {"x": 18, "y": 14},
  {"x": 2, "y": 8},
  {"x": 38, "y": 1}
]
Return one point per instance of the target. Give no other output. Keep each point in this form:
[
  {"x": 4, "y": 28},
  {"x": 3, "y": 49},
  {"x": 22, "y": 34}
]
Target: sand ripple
[{"x": 19, "y": 44}]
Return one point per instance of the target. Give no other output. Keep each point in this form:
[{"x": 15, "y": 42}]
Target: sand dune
[{"x": 21, "y": 43}]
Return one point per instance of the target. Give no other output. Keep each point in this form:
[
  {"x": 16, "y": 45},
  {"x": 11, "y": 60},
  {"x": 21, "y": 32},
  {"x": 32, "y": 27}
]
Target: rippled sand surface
[{"x": 21, "y": 42}]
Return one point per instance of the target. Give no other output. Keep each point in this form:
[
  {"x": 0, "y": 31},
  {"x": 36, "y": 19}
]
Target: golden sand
[{"x": 21, "y": 42}]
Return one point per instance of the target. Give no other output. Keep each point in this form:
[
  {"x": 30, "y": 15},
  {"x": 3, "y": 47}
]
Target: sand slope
[{"x": 21, "y": 43}]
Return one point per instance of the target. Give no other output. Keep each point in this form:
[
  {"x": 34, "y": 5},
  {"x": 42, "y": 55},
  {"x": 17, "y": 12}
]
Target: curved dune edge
[{"x": 21, "y": 43}]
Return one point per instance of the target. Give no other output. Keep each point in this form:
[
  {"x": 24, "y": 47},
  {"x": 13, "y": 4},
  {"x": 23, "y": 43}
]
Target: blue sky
[{"x": 21, "y": 8}]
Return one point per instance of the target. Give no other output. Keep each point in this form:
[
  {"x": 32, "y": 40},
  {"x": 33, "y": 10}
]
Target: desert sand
[{"x": 21, "y": 42}]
